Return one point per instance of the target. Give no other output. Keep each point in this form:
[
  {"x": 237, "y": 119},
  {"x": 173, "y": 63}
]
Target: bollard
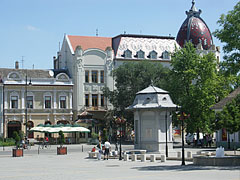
[
  {"x": 163, "y": 158},
  {"x": 152, "y": 158},
  {"x": 179, "y": 154},
  {"x": 189, "y": 154},
  {"x": 133, "y": 157},
  {"x": 126, "y": 157},
  {"x": 82, "y": 148},
  {"x": 143, "y": 157}
]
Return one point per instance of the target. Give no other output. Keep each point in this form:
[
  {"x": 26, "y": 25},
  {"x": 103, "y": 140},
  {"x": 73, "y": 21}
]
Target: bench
[{"x": 92, "y": 154}]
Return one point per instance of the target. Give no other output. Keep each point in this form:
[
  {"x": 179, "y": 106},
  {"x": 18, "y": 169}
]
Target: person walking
[{"x": 107, "y": 146}]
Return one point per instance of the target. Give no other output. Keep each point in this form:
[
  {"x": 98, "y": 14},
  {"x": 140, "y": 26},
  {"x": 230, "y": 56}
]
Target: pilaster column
[
  {"x": 54, "y": 99},
  {"x": 23, "y": 98},
  {"x": 70, "y": 100},
  {"x": 6, "y": 99}
]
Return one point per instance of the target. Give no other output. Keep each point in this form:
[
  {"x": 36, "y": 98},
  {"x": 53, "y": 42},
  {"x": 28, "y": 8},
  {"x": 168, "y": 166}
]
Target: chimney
[{"x": 16, "y": 65}]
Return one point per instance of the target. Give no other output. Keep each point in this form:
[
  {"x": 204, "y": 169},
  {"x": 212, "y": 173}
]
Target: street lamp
[
  {"x": 166, "y": 134},
  {"x": 182, "y": 117},
  {"x": 26, "y": 104},
  {"x": 120, "y": 121}
]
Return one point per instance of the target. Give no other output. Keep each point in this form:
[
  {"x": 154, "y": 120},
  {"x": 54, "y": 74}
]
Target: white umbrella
[
  {"x": 37, "y": 129},
  {"x": 81, "y": 129}
]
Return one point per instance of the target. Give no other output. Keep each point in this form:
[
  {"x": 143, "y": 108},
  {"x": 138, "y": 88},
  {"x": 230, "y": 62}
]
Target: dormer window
[
  {"x": 127, "y": 54},
  {"x": 140, "y": 54},
  {"x": 153, "y": 55},
  {"x": 165, "y": 55}
]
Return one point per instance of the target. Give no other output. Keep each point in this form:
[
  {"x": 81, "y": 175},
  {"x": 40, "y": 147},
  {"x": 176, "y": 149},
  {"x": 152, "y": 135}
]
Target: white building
[
  {"x": 135, "y": 48},
  {"x": 89, "y": 61}
]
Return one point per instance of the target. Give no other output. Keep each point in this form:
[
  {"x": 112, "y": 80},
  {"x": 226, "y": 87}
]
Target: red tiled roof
[{"x": 87, "y": 42}]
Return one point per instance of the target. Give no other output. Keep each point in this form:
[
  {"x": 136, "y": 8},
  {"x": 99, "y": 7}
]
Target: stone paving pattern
[{"x": 77, "y": 166}]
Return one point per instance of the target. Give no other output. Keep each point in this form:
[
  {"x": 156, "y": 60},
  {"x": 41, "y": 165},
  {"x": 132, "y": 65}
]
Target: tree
[
  {"x": 229, "y": 117},
  {"x": 17, "y": 139},
  {"x": 130, "y": 78},
  {"x": 229, "y": 34},
  {"x": 194, "y": 84},
  {"x": 61, "y": 138}
]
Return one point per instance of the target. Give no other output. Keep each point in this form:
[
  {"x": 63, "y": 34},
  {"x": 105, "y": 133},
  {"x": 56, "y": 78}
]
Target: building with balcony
[
  {"x": 33, "y": 97},
  {"x": 89, "y": 61}
]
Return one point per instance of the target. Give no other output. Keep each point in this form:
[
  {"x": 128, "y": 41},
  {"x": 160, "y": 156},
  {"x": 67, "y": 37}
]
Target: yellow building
[{"x": 33, "y": 97}]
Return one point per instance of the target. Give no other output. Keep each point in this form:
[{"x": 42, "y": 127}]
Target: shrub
[
  {"x": 17, "y": 139},
  {"x": 61, "y": 138}
]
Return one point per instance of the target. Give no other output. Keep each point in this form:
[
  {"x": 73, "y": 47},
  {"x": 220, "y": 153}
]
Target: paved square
[{"x": 49, "y": 166}]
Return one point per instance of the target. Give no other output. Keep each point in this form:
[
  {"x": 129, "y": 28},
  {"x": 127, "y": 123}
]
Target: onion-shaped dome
[{"x": 194, "y": 29}]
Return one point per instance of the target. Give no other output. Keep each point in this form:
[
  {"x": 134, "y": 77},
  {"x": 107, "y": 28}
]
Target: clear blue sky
[{"x": 34, "y": 28}]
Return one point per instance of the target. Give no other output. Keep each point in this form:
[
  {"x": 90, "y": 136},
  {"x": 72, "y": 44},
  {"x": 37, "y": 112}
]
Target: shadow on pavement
[{"x": 186, "y": 168}]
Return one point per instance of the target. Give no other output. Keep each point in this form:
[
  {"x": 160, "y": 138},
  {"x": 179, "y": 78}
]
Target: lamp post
[
  {"x": 26, "y": 104},
  {"x": 183, "y": 116},
  {"x": 120, "y": 121},
  {"x": 166, "y": 134}
]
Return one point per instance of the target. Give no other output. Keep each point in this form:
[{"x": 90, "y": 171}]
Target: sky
[{"x": 33, "y": 30}]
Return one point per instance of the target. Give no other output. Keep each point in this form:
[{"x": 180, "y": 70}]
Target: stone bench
[{"x": 92, "y": 154}]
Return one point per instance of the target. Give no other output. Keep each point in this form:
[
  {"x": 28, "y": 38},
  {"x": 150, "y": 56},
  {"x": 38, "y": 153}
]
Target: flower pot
[
  {"x": 61, "y": 150},
  {"x": 17, "y": 152}
]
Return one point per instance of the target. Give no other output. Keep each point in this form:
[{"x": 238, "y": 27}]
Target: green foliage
[
  {"x": 61, "y": 138},
  {"x": 17, "y": 139},
  {"x": 7, "y": 142},
  {"x": 229, "y": 117},
  {"x": 229, "y": 34},
  {"x": 94, "y": 135},
  {"x": 130, "y": 78},
  {"x": 194, "y": 84},
  {"x": 104, "y": 135}
]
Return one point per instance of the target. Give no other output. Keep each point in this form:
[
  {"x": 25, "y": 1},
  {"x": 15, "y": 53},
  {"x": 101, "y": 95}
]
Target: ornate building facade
[{"x": 33, "y": 97}]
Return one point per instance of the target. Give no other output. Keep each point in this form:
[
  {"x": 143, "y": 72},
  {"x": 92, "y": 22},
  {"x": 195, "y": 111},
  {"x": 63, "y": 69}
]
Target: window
[
  {"x": 165, "y": 55},
  {"x": 86, "y": 76},
  {"x": 47, "y": 101},
  {"x": 140, "y": 54},
  {"x": 102, "y": 100},
  {"x": 127, "y": 54},
  {"x": 153, "y": 55},
  {"x": 102, "y": 76},
  {"x": 30, "y": 102},
  {"x": 62, "y": 102},
  {"x": 94, "y": 100},
  {"x": 95, "y": 76},
  {"x": 14, "y": 102},
  {"x": 86, "y": 100}
]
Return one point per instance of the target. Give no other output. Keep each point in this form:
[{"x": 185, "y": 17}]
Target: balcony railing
[
  {"x": 38, "y": 111},
  {"x": 96, "y": 108}
]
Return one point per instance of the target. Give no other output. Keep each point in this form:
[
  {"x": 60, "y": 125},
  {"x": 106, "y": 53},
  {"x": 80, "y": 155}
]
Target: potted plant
[
  {"x": 61, "y": 150},
  {"x": 17, "y": 152}
]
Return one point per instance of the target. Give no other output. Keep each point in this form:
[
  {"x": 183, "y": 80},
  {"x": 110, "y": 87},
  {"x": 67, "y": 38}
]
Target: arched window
[
  {"x": 127, "y": 54},
  {"x": 153, "y": 55},
  {"x": 140, "y": 54}
]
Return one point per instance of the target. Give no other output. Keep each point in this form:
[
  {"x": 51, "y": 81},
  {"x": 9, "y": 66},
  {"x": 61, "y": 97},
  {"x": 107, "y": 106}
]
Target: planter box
[
  {"x": 61, "y": 150},
  {"x": 17, "y": 152}
]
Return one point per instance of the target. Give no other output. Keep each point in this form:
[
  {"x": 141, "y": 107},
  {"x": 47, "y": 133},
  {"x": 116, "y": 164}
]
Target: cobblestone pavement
[{"x": 48, "y": 166}]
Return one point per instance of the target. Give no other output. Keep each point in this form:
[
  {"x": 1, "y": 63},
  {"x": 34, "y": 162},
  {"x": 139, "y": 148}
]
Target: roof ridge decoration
[{"x": 194, "y": 11}]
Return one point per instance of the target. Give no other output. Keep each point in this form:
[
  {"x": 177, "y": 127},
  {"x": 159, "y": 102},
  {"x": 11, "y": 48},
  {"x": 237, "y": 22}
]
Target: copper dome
[{"x": 194, "y": 29}]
